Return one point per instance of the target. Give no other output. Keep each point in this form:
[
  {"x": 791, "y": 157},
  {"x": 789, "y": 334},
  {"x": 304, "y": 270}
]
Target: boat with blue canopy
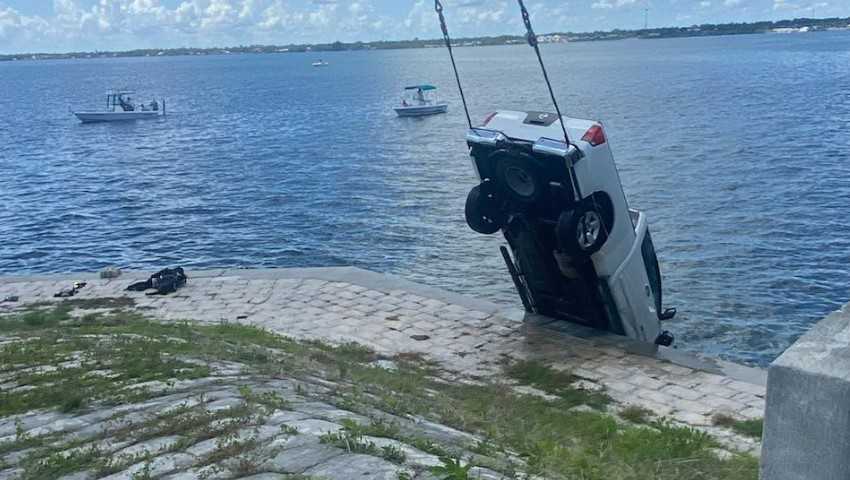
[{"x": 420, "y": 100}]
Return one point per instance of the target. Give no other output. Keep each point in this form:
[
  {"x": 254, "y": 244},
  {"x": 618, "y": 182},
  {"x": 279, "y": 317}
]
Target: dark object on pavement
[
  {"x": 164, "y": 282},
  {"x": 10, "y": 298},
  {"x": 70, "y": 291}
]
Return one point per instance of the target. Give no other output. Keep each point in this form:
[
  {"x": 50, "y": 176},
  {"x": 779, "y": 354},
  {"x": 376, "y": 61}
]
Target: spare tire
[
  {"x": 482, "y": 215},
  {"x": 520, "y": 178}
]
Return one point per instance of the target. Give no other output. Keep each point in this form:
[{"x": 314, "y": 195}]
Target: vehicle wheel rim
[
  {"x": 589, "y": 229},
  {"x": 520, "y": 182}
]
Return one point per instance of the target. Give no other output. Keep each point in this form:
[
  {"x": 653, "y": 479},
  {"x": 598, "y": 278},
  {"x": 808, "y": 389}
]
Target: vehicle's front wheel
[
  {"x": 482, "y": 214},
  {"x": 582, "y": 231}
]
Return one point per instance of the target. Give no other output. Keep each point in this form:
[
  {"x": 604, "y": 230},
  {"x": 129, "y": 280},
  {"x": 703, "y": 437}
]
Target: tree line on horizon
[{"x": 615, "y": 34}]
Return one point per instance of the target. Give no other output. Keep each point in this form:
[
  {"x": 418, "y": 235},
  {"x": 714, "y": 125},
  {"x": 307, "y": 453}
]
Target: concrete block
[{"x": 808, "y": 406}]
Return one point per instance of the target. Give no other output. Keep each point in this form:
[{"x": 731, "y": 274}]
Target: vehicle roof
[{"x": 421, "y": 87}]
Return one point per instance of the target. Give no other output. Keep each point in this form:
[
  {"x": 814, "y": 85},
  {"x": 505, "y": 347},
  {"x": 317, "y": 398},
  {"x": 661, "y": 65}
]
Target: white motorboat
[
  {"x": 320, "y": 63},
  {"x": 420, "y": 101},
  {"x": 120, "y": 107}
]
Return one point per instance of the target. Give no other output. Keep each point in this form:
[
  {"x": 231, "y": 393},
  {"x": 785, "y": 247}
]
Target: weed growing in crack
[
  {"x": 451, "y": 469},
  {"x": 751, "y": 428}
]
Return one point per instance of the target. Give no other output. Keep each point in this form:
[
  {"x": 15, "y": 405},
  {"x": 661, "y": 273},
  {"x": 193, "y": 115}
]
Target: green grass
[
  {"x": 58, "y": 464},
  {"x": 554, "y": 441},
  {"x": 555, "y": 382},
  {"x": 750, "y": 428},
  {"x": 376, "y": 428},
  {"x": 350, "y": 439},
  {"x": 636, "y": 414},
  {"x": 130, "y": 361}
]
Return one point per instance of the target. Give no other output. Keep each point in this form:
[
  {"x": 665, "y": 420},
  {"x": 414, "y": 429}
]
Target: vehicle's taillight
[
  {"x": 488, "y": 118},
  {"x": 594, "y": 135}
]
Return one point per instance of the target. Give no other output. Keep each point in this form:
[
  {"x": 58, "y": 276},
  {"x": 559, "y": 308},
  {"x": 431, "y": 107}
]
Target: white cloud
[
  {"x": 784, "y": 5},
  {"x": 607, "y": 4},
  {"x": 124, "y": 24}
]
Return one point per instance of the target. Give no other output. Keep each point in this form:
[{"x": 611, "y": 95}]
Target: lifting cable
[
  {"x": 532, "y": 40},
  {"x": 438, "y": 6}
]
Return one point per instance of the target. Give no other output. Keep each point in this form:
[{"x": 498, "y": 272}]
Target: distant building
[
  {"x": 551, "y": 39},
  {"x": 790, "y": 30}
]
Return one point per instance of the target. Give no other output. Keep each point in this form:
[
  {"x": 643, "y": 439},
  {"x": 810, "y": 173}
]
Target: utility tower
[{"x": 646, "y": 15}]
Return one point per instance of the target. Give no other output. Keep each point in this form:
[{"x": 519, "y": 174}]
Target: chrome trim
[
  {"x": 559, "y": 148},
  {"x": 484, "y": 136},
  {"x": 550, "y": 147}
]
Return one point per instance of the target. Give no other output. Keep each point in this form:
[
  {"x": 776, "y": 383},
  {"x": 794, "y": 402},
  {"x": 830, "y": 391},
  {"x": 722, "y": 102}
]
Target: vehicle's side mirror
[{"x": 668, "y": 314}]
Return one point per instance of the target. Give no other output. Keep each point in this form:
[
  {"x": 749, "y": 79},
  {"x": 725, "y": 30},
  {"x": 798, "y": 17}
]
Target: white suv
[{"x": 579, "y": 253}]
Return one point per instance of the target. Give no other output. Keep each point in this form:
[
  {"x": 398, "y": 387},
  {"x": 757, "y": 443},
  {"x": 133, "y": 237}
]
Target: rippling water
[{"x": 737, "y": 147}]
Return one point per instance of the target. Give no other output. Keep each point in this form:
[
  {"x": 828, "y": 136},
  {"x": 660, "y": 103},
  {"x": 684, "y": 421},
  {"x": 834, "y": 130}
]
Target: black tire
[
  {"x": 582, "y": 231},
  {"x": 520, "y": 179},
  {"x": 482, "y": 215}
]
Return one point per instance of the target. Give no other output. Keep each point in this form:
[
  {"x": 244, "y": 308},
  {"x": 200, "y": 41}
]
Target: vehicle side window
[{"x": 653, "y": 272}]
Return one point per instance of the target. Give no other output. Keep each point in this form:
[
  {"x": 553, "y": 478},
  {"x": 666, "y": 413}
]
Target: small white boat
[
  {"x": 420, "y": 101},
  {"x": 320, "y": 63},
  {"x": 120, "y": 107}
]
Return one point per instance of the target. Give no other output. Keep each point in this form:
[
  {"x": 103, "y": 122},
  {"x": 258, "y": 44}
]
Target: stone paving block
[
  {"x": 265, "y": 476},
  {"x": 752, "y": 413},
  {"x": 721, "y": 404},
  {"x": 58, "y": 425},
  {"x": 299, "y": 459},
  {"x": 681, "y": 392},
  {"x": 753, "y": 389},
  {"x": 315, "y": 427},
  {"x": 79, "y": 476},
  {"x": 681, "y": 405},
  {"x": 691, "y": 418},
  {"x": 485, "y": 474},
  {"x": 204, "y": 448},
  {"x": 758, "y": 404},
  {"x": 350, "y": 466},
  {"x": 8, "y": 426},
  {"x": 150, "y": 446},
  {"x": 658, "y": 409},
  {"x": 11, "y": 474},
  {"x": 644, "y": 381},
  {"x": 656, "y": 396}
]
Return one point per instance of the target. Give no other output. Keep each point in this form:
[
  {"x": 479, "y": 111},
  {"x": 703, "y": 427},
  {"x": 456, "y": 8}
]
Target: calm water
[{"x": 738, "y": 148}]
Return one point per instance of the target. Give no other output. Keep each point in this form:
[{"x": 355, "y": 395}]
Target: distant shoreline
[{"x": 797, "y": 25}]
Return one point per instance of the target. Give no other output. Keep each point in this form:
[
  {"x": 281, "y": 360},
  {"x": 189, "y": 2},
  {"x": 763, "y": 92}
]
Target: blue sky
[{"x": 67, "y": 25}]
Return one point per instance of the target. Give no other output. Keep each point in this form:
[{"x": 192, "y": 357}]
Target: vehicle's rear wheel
[
  {"x": 520, "y": 178},
  {"x": 482, "y": 214},
  {"x": 582, "y": 231}
]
